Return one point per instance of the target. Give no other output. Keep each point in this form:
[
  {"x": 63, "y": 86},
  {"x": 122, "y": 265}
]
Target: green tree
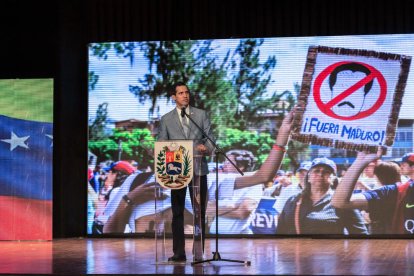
[
  {"x": 213, "y": 91},
  {"x": 98, "y": 126},
  {"x": 234, "y": 100},
  {"x": 104, "y": 149},
  {"x": 122, "y": 49},
  {"x": 92, "y": 80},
  {"x": 193, "y": 63},
  {"x": 135, "y": 145},
  {"x": 234, "y": 89},
  {"x": 168, "y": 62},
  {"x": 251, "y": 82}
]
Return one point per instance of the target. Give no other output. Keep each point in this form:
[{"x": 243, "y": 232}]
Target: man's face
[
  {"x": 352, "y": 104},
  {"x": 406, "y": 169},
  {"x": 182, "y": 96},
  {"x": 227, "y": 166},
  {"x": 301, "y": 176},
  {"x": 369, "y": 170},
  {"x": 110, "y": 177}
]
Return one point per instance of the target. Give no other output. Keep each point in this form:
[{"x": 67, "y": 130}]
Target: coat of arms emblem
[{"x": 173, "y": 168}]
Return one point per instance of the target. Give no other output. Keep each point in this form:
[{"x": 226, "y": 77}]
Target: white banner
[{"x": 350, "y": 99}]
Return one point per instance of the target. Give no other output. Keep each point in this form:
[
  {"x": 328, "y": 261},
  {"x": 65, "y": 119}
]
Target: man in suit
[{"x": 176, "y": 126}]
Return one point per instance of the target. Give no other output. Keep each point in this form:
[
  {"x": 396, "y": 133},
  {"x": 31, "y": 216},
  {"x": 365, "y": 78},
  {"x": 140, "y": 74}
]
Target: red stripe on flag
[{"x": 25, "y": 219}]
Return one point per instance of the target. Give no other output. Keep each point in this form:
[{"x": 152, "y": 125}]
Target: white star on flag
[
  {"x": 51, "y": 137},
  {"x": 16, "y": 141}
]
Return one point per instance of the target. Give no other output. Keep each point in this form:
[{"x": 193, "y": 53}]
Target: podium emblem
[{"x": 173, "y": 168}]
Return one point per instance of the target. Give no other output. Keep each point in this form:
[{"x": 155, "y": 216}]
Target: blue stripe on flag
[{"x": 26, "y": 154}]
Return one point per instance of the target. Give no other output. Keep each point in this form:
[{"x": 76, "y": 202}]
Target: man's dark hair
[
  {"x": 180, "y": 83},
  {"x": 354, "y": 67},
  {"x": 388, "y": 173},
  {"x": 243, "y": 158}
]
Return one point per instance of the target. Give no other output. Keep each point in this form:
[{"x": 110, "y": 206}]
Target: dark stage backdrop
[{"x": 49, "y": 39}]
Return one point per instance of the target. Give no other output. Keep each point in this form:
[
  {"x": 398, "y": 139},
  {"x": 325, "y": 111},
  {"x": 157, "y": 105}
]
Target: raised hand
[
  {"x": 144, "y": 192},
  {"x": 286, "y": 126},
  {"x": 367, "y": 157}
]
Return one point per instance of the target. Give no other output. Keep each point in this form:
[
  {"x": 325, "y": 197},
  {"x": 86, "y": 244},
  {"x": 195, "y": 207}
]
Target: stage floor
[{"x": 267, "y": 256}]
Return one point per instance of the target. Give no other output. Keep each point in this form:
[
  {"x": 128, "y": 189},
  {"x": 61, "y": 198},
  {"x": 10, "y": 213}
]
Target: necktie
[{"x": 186, "y": 127}]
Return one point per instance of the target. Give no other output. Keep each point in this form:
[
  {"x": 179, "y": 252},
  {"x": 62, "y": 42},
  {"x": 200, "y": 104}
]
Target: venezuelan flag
[{"x": 26, "y": 155}]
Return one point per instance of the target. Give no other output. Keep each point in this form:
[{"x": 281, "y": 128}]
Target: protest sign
[{"x": 350, "y": 98}]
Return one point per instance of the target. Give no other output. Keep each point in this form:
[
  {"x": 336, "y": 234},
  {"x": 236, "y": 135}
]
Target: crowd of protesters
[{"x": 372, "y": 196}]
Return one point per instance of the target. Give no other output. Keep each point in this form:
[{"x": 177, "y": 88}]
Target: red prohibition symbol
[{"x": 327, "y": 106}]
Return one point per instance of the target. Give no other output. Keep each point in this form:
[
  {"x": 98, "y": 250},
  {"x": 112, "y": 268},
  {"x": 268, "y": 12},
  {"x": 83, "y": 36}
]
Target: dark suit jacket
[{"x": 171, "y": 129}]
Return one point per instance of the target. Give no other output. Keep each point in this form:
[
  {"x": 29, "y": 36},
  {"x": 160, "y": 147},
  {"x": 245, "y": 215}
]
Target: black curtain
[
  {"x": 116, "y": 20},
  {"x": 48, "y": 38}
]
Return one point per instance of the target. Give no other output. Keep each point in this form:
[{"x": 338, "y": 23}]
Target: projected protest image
[{"x": 331, "y": 97}]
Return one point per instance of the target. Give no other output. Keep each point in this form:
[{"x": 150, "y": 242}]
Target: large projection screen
[{"x": 247, "y": 86}]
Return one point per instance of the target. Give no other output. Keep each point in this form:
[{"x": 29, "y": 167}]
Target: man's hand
[
  {"x": 366, "y": 158},
  {"x": 286, "y": 126},
  {"x": 201, "y": 148},
  {"x": 284, "y": 181},
  {"x": 144, "y": 192}
]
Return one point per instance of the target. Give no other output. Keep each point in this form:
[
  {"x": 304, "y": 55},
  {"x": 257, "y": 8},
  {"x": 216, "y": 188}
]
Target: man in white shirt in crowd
[{"x": 293, "y": 189}]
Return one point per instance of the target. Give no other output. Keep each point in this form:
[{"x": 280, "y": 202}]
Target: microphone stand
[{"x": 218, "y": 150}]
